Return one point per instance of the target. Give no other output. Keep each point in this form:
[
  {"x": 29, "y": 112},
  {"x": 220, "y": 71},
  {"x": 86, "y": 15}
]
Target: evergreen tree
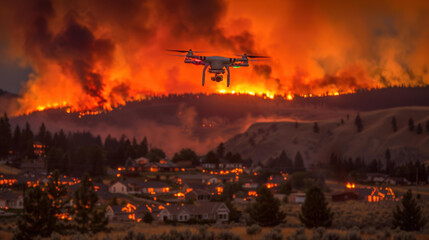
[
  {"x": 220, "y": 150},
  {"x": 315, "y": 212},
  {"x": 38, "y": 218},
  {"x": 87, "y": 216},
  {"x": 358, "y": 123},
  {"x": 234, "y": 215},
  {"x": 57, "y": 192},
  {"x": 5, "y": 136},
  {"x": 16, "y": 140},
  {"x": 265, "y": 211},
  {"x": 186, "y": 154},
  {"x": 409, "y": 218},
  {"x": 298, "y": 163},
  {"x": 156, "y": 154},
  {"x": 419, "y": 129},
  {"x": 316, "y": 128},
  {"x": 212, "y": 157},
  {"x": 394, "y": 124},
  {"x": 411, "y": 124}
]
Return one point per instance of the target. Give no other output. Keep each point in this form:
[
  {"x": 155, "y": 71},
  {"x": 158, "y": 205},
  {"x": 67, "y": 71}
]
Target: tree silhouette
[
  {"x": 186, "y": 154},
  {"x": 87, "y": 216},
  {"x": 394, "y": 124},
  {"x": 316, "y": 128},
  {"x": 419, "y": 129},
  {"x": 5, "y": 136},
  {"x": 220, "y": 150},
  {"x": 38, "y": 216},
  {"x": 265, "y": 211},
  {"x": 358, "y": 123},
  {"x": 155, "y": 154},
  {"x": 298, "y": 163},
  {"x": 409, "y": 218},
  {"x": 411, "y": 124},
  {"x": 315, "y": 212}
]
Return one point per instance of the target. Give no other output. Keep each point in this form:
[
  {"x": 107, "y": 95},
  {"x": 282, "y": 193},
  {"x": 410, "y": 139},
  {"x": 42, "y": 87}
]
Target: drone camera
[{"x": 217, "y": 78}]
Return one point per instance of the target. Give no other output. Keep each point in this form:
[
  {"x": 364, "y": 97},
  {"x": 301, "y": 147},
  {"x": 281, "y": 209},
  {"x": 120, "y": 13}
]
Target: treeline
[
  {"x": 72, "y": 152},
  {"x": 343, "y": 168},
  {"x": 284, "y": 163}
]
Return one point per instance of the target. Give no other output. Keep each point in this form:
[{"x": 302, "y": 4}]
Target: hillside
[{"x": 263, "y": 140}]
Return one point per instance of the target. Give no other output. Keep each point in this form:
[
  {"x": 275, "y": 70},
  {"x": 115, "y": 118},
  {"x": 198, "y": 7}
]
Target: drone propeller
[
  {"x": 256, "y": 56},
  {"x": 177, "y": 55},
  {"x": 182, "y": 51}
]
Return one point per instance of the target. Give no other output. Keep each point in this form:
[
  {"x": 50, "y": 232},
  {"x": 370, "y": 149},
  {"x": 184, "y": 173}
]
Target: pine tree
[
  {"x": 316, "y": 128},
  {"x": 220, "y": 150},
  {"x": 5, "y": 136},
  {"x": 38, "y": 218},
  {"x": 298, "y": 163},
  {"x": 358, "y": 123},
  {"x": 411, "y": 124},
  {"x": 315, "y": 212},
  {"x": 409, "y": 218},
  {"x": 265, "y": 211},
  {"x": 419, "y": 129},
  {"x": 87, "y": 216},
  {"x": 57, "y": 193},
  {"x": 394, "y": 124}
]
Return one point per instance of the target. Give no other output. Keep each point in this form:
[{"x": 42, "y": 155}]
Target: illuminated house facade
[
  {"x": 202, "y": 211},
  {"x": 10, "y": 200},
  {"x": 128, "y": 212},
  {"x": 134, "y": 187}
]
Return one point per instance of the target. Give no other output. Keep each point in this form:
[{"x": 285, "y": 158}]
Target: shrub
[
  {"x": 79, "y": 236},
  {"x": 253, "y": 229},
  {"x": 332, "y": 236},
  {"x": 318, "y": 233},
  {"x": 274, "y": 234},
  {"x": 404, "y": 236},
  {"x": 227, "y": 235},
  {"x": 353, "y": 235},
  {"x": 298, "y": 235},
  {"x": 55, "y": 236}
]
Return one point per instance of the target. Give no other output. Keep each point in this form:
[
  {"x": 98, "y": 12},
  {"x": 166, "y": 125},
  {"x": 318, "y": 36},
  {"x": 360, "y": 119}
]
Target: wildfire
[{"x": 350, "y": 185}]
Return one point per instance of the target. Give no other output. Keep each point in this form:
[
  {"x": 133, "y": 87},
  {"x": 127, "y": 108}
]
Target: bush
[
  {"x": 353, "y": 235},
  {"x": 404, "y": 236},
  {"x": 318, "y": 233},
  {"x": 253, "y": 229},
  {"x": 274, "y": 234},
  {"x": 332, "y": 236},
  {"x": 226, "y": 235},
  {"x": 79, "y": 236},
  {"x": 298, "y": 235}
]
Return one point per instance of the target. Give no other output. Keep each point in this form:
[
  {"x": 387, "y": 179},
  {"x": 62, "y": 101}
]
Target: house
[
  {"x": 11, "y": 200},
  {"x": 128, "y": 212},
  {"x": 207, "y": 165},
  {"x": 296, "y": 198},
  {"x": 118, "y": 187},
  {"x": 202, "y": 211},
  {"x": 133, "y": 187},
  {"x": 344, "y": 196},
  {"x": 36, "y": 166},
  {"x": 198, "y": 195},
  {"x": 225, "y": 164},
  {"x": 161, "y": 166}
]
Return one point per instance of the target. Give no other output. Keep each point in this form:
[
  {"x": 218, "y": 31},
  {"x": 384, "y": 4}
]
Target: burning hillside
[{"x": 100, "y": 54}]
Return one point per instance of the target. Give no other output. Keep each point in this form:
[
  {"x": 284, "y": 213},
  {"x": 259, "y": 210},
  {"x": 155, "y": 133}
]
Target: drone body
[{"x": 217, "y": 64}]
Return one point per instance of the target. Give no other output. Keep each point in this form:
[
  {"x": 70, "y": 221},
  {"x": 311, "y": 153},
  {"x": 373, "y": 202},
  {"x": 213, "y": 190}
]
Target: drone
[{"x": 217, "y": 64}]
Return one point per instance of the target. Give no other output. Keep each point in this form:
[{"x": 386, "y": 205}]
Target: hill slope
[{"x": 264, "y": 140}]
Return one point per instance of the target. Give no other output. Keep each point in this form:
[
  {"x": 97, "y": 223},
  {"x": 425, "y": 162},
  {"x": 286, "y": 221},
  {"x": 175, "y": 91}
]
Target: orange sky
[{"x": 103, "y": 53}]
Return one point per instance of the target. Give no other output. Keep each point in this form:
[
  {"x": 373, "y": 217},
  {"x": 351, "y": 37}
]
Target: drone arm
[
  {"x": 227, "y": 76},
  {"x": 204, "y": 72}
]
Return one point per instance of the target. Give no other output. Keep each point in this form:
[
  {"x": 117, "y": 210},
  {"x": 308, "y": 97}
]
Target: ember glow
[{"x": 90, "y": 56}]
